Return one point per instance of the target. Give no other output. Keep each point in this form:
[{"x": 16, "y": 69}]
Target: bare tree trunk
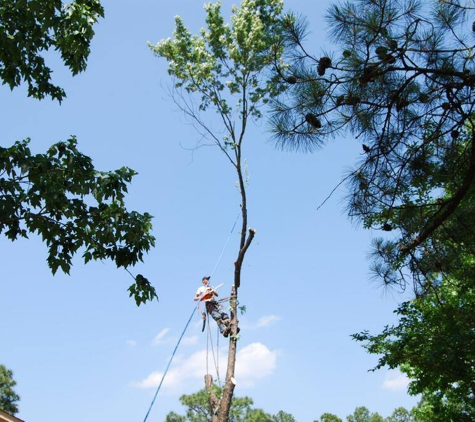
[
  {"x": 228, "y": 389},
  {"x": 213, "y": 400},
  {"x": 230, "y": 382}
]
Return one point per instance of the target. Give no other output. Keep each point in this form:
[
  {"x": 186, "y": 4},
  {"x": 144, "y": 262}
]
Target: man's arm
[{"x": 198, "y": 294}]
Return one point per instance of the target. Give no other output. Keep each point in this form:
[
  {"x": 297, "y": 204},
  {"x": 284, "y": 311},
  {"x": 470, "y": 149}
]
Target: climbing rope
[
  {"x": 207, "y": 343},
  {"x": 217, "y": 356},
  {"x": 209, "y": 339},
  {"x": 169, "y": 363},
  {"x": 225, "y": 245}
]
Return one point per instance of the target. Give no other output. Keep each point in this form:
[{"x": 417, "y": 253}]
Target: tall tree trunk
[{"x": 245, "y": 242}]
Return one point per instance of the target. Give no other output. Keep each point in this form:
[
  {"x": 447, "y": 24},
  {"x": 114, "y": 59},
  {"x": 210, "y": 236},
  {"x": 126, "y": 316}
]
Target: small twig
[{"x": 334, "y": 190}]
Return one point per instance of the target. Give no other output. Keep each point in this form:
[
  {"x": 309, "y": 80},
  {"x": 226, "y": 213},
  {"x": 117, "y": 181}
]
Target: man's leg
[{"x": 213, "y": 310}]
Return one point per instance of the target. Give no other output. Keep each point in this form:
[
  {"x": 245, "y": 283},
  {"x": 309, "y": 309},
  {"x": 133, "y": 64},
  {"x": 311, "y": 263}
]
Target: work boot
[{"x": 224, "y": 322}]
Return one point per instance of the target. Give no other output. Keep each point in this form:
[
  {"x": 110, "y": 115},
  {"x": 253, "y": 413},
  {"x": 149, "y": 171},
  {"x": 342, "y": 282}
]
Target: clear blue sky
[{"x": 81, "y": 350}]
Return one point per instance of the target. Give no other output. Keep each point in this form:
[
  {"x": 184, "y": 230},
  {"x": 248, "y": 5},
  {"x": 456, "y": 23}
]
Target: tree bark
[
  {"x": 230, "y": 382},
  {"x": 238, "y": 263},
  {"x": 212, "y": 400}
]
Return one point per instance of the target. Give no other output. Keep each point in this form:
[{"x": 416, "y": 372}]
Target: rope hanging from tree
[{"x": 209, "y": 341}]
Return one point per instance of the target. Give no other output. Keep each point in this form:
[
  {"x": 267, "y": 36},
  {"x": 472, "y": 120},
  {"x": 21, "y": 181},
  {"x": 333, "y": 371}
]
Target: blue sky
[{"x": 81, "y": 350}]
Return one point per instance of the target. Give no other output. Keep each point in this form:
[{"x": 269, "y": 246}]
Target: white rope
[
  {"x": 225, "y": 245},
  {"x": 210, "y": 340}
]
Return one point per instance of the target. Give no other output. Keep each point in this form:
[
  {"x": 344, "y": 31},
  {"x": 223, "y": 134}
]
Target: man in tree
[
  {"x": 226, "y": 70},
  {"x": 8, "y": 397},
  {"x": 207, "y": 293}
]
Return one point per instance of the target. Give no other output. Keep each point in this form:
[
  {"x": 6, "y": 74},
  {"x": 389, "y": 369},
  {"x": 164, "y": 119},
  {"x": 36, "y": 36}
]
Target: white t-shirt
[{"x": 201, "y": 290}]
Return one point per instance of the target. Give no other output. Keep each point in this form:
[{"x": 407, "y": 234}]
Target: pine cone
[
  {"x": 291, "y": 79},
  {"x": 312, "y": 120},
  {"x": 323, "y": 64}
]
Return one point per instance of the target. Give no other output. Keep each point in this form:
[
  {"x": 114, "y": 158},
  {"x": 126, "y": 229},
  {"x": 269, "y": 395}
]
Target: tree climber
[{"x": 206, "y": 293}]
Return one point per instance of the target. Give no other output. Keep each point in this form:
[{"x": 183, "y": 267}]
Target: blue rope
[{"x": 169, "y": 363}]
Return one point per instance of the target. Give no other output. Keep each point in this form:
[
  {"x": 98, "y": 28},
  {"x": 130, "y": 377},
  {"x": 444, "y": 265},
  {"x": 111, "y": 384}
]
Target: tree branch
[
  {"x": 452, "y": 204},
  {"x": 242, "y": 252}
]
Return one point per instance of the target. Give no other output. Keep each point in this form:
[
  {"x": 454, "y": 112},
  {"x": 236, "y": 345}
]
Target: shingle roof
[{"x": 6, "y": 417}]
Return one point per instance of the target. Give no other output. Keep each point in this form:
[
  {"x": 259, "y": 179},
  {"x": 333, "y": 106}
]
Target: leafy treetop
[
  {"x": 227, "y": 59},
  {"x": 59, "y": 195},
  {"x": 197, "y": 410},
  {"x": 29, "y": 28},
  {"x": 8, "y": 397},
  {"x": 50, "y": 195}
]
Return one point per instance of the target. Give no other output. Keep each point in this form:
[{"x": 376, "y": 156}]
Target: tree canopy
[
  {"x": 241, "y": 410},
  {"x": 329, "y": 417},
  {"x": 59, "y": 195},
  {"x": 29, "y": 28},
  {"x": 8, "y": 397},
  {"x": 362, "y": 414},
  {"x": 434, "y": 344},
  {"x": 403, "y": 84},
  {"x": 420, "y": 413}
]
